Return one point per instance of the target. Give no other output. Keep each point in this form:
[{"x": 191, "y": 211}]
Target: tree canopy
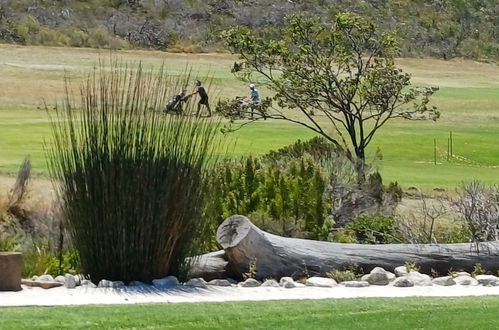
[{"x": 338, "y": 79}]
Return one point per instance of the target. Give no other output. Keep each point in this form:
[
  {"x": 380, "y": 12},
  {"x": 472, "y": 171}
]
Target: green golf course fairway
[
  {"x": 367, "y": 313},
  {"x": 468, "y": 100}
]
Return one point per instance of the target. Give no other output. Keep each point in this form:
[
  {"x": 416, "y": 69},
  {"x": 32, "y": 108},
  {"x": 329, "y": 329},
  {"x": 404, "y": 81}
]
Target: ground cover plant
[
  {"x": 370, "y": 313},
  {"x": 130, "y": 179}
]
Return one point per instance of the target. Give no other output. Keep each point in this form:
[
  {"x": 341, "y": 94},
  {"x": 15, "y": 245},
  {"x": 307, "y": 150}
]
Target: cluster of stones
[
  {"x": 47, "y": 281},
  {"x": 378, "y": 276}
]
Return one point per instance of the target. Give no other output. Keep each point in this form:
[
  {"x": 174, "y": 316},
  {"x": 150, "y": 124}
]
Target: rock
[
  {"x": 465, "y": 280},
  {"x": 70, "y": 281},
  {"x": 78, "y": 279},
  {"x": 444, "y": 281},
  {"x": 219, "y": 282},
  {"x": 402, "y": 282},
  {"x": 110, "y": 284},
  {"x": 401, "y": 271},
  {"x": 45, "y": 278},
  {"x": 391, "y": 276},
  {"x": 487, "y": 280},
  {"x": 378, "y": 276},
  {"x": 166, "y": 281},
  {"x": 42, "y": 284},
  {"x": 34, "y": 278},
  {"x": 270, "y": 283},
  {"x": 137, "y": 284},
  {"x": 197, "y": 283},
  {"x": 322, "y": 282},
  {"x": 355, "y": 284},
  {"x": 287, "y": 282},
  {"x": 250, "y": 283},
  {"x": 419, "y": 279},
  {"x": 60, "y": 279},
  {"x": 462, "y": 274},
  {"x": 88, "y": 283}
]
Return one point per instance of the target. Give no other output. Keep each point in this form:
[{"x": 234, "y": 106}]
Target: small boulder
[
  {"x": 322, "y": 282},
  {"x": 45, "y": 278},
  {"x": 378, "y": 276},
  {"x": 419, "y": 279},
  {"x": 70, "y": 281},
  {"x": 88, "y": 284},
  {"x": 287, "y": 282},
  {"x": 60, "y": 279},
  {"x": 270, "y": 283},
  {"x": 462, "y": 274},
  {"x": 466, "y": 280},
  {"x": 355, "y": 284},
  {"x": 487, "y": 280},
  {"x": 403, "y": 282},
  {"x": 166, "y": 281},
  {"x": 444, "y": 281},
  {"x": 250, "y": 283},
  {"x": 197, "y": 283},
  {"x": 401, "y": 271},
  {"x": 110, "y": 284},
  {"x": 219, "y": 282}
]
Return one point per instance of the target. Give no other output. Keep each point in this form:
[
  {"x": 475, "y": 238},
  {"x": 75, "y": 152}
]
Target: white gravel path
[{"x": 139, "y": 295}]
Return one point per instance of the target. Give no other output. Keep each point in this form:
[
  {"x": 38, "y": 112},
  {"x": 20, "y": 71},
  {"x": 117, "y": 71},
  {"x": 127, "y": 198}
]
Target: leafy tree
[{"x": 344, "y": 72}]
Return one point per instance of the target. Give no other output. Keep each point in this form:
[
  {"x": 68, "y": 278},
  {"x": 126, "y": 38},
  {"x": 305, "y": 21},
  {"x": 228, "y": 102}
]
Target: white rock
[
  {"x": 322, "y": 282},
  {"x": 287, "y": 282},
  {"x": 166, "y": 281},
  {"x": 45, "y": 278},
  {"x": 466, "y": 280},
  {"x": 487, "y": 280},
  {"x": 419, "y": 279},
  {"x": 250, "y": 283},
  {"x": 444, "y": 281},
  {"x": 355, "y": 284},
  {"x": 60, "y": 279},
  {"x": 197, "y": 283},
  {"x": 401, "y": 271},
  {"x": 391, "y": 276},
  {"x": 403, "y": 282},
  {"x": 219, "y": 282},
  {"x": 34, "y": 278},
  {"x": 378, "y": 276},
  {"x": 270, "y": 283},
  {"x": 69, "y": 282},
  {"x": 462, "y": 274},
  {"x": 88, "y": 283},
  {"x": 110, "y": 284}
]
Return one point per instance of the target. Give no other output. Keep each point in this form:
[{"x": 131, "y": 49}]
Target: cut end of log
[{"x": 233, "y": 230}]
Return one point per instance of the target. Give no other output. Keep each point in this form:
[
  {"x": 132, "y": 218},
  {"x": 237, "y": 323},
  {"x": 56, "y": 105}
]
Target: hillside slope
[{"x": 438, "y": 28}]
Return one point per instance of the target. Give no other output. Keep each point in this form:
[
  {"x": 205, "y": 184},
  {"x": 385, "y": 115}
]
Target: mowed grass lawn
[
  {"x": 468, "y": 99},
  {"x": 371, "y": 313}
]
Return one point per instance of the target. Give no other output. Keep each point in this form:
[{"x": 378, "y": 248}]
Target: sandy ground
[{"x": 141, "y": 295}]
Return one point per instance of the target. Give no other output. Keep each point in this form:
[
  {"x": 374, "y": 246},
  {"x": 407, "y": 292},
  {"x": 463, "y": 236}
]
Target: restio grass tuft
[{"x": 130, "y": 179}]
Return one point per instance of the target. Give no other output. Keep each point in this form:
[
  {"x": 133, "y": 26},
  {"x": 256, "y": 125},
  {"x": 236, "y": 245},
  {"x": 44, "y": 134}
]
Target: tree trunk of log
[
  {"x": 277, "y": 256},
  {"x": 209, "y": 266}
]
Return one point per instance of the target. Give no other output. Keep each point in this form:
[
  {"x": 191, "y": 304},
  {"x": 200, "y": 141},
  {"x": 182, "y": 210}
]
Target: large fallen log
[{"x": 276, "y": 256}]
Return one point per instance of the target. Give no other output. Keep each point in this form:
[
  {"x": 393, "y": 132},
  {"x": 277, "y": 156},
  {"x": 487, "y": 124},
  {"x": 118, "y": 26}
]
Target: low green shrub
[
  {"x": 372, "y": 230},
  {"x": 285, "y": 196}
]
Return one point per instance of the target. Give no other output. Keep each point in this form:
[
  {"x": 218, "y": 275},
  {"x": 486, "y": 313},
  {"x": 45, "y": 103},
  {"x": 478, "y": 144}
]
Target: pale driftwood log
[
  {"x": 277, "y": 256},
  {"x": 209, "y": 266}
]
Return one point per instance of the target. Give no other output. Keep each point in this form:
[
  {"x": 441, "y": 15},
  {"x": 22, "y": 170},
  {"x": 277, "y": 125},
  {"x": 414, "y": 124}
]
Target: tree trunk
[
  {"x": 209, "y": 266},
  {"x": 277, "y": 256}
]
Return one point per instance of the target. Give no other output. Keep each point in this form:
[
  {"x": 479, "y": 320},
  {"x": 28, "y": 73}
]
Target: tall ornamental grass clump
[{"x": 130, "y": 179}]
